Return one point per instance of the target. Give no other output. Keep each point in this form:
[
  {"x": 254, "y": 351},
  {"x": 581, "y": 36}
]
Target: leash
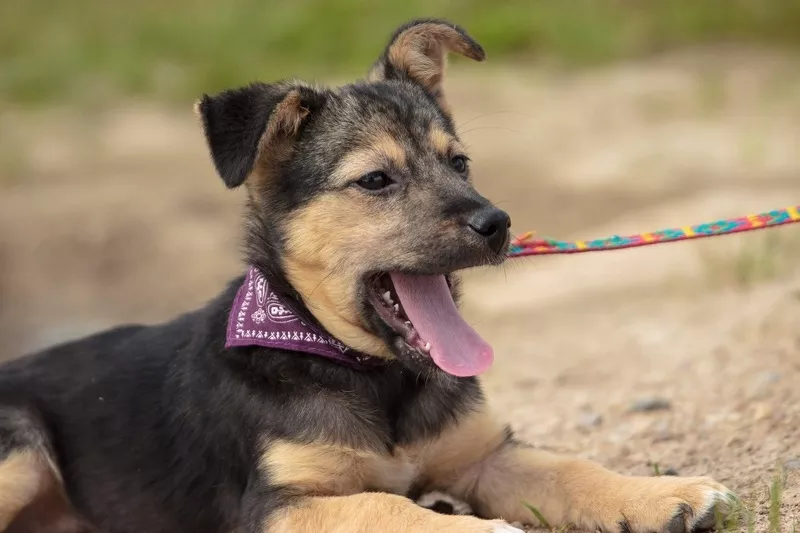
[{"x": 526, "y": 244}]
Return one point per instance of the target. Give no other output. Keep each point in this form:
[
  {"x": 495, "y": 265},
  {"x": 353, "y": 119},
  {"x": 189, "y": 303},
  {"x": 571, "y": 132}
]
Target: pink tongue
[{"x": 455, "y": 347}]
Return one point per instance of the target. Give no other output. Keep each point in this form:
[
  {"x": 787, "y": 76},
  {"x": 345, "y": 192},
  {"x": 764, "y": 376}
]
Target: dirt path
[{"x": 117, "y": 216}]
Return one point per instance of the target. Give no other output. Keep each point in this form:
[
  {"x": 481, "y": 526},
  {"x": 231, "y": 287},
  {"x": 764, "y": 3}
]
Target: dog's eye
[
  {"x": 459, "y": 163},
  {"x": 374, "y": 181}
]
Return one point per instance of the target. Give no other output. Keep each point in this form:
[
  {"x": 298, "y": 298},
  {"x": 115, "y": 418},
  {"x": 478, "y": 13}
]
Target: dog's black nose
[{"x": 493, "y": 224}]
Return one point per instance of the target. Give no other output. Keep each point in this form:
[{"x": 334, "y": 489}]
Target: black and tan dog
[{"x": 360, "y": 212}]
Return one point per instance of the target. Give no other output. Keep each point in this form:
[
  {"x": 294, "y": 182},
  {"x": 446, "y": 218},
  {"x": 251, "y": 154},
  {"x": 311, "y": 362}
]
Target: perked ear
[
  {"x": 418, "y": 51},
  {"x": 250, "y": 128}
]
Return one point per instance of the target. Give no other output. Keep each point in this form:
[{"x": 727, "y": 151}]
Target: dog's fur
[{"x": 163, "y": 429}]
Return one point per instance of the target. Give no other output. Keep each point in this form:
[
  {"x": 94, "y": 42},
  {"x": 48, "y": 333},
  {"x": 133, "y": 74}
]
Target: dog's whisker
[
  {"x": 478, "y": 128},
  {"x": 495, "y": 113}
]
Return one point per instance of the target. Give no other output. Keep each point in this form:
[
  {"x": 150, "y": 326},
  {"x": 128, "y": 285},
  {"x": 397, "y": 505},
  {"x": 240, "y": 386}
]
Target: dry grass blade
[
  {"x": 775, "y": 498},
  {"x": 542, "y": 521}
]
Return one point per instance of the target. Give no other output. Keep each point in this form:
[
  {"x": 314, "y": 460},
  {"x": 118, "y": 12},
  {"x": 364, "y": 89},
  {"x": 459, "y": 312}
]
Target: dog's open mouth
[{"x": 420, "y": 308}]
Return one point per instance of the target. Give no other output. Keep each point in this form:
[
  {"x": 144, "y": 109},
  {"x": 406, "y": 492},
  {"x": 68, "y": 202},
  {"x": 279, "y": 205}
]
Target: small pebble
[
  {"x": 527, "y": 383},
  {"x": 764, "y": 382},
  {"x": 588, "y": 420},
  {"x": 792, "y": 464},
  {"x": 769, "y": 377},
  {"x": 662, "y": 432},
  {"x": 669, "y": 471},
  {"x": 762, "y": 411},
  {"x": 646, "y": 405}
]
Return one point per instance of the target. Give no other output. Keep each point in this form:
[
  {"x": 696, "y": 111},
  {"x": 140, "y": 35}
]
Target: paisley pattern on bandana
[{"x": 260, "y": 318}]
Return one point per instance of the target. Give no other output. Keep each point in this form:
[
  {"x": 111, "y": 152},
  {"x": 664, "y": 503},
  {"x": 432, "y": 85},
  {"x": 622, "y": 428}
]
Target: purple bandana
[{"x": 259, "y": 318}]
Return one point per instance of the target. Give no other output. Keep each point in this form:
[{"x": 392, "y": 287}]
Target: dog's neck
[{"x": 261, "y": 317}]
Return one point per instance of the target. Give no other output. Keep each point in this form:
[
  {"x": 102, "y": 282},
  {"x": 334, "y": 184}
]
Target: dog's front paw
[{"x": 674, "y": 505}]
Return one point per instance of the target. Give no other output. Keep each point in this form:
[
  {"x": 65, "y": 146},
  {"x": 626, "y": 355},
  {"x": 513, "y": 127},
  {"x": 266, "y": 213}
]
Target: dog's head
[{"x": 360, "y": 199}]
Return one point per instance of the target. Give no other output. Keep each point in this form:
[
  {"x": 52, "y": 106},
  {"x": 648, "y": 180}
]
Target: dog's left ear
[
  {"x": 250, "y": 130},
  {"x": 418, "y": 52}
]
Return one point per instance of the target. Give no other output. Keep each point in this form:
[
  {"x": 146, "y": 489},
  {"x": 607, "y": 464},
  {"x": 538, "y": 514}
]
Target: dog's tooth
[
  {"x": 427, "y": 347},
  {"x": 396, "y": 308},
  {"x": 387, "y": 297}
]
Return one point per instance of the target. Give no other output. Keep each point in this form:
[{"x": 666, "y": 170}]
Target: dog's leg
[
  {"x": 481, "y": 463},
  {"x": 310, "y": 488},
  {"x": 373, "y": 511},
  {"x": 32, "y": 498},
  {"x": 23, "y": 475}
]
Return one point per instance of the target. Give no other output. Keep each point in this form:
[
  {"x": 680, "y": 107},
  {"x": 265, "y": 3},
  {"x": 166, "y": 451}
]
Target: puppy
[{"x": 335, "y": 381}]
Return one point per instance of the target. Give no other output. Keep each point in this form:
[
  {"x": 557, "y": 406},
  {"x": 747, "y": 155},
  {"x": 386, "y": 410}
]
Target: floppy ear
[
  {"x": 251, "y": 128},
  {"x": 418, "y": 50}
]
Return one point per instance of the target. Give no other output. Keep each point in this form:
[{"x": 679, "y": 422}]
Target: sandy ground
[{"x": 116, "y": 215}]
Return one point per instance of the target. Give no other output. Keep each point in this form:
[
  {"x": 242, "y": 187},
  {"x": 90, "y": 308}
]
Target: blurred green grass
[{"x": 53, "y": 50}]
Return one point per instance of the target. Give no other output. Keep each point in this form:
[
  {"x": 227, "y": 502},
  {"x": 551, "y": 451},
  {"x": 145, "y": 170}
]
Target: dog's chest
[{"x": 359, "y": 427}]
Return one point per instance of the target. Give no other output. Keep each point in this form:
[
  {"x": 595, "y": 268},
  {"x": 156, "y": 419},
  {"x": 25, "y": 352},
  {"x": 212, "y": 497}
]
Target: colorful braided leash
[{"x": 526, "y": 244}]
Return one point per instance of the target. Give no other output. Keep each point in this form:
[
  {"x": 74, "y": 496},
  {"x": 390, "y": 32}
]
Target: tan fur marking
[
  {"x": 327, "y": 469},
  {"x": 444, "y": 143},
  {"x": 440, "y": 140},
  {"x": 368, "y": 513},
  {"x": 443, "y": 460},
  {"x": 196, "y": 109},
  {"x": 331, "y": 300},
  {"x": 326, "y": 242},
  {"x": 287, "y": 117},
  {"x": 23, "y": 476},
  {"x": 383, "y": 152},
  {"x": 513, "y": 475},
  {"x": 274, "y": 147},
  {"x": 388, "y": 146}
]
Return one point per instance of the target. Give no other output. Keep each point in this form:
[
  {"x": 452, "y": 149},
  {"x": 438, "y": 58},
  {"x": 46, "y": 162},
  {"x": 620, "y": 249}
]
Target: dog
[{"x": 334, "y": 382}]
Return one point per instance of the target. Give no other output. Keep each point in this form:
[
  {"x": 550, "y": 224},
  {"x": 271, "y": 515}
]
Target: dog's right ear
[{"x": 251, "y": 129}]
